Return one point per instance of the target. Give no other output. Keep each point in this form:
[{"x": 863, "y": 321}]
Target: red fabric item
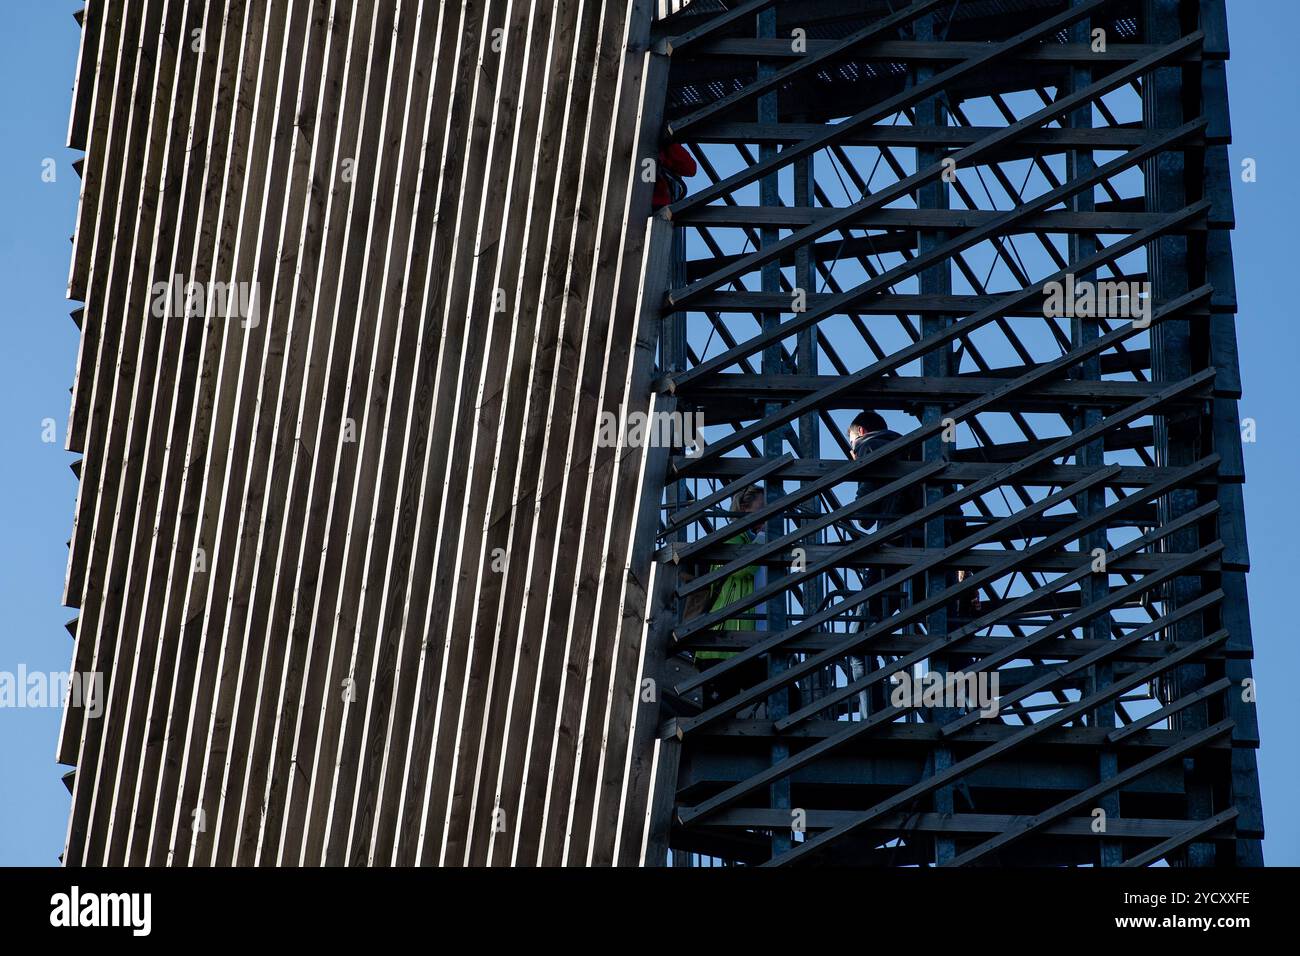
[
  {"x": 676, "y": 159},
  {"x": 662, "y": 196}
]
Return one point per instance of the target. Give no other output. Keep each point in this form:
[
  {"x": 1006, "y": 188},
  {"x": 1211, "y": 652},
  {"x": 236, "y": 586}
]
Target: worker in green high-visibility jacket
[{"x": 735, "y": 587}]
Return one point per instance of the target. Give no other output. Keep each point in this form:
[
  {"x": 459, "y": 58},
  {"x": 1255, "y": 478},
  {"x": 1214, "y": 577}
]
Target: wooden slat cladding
[{"x": 359, "y": 278}]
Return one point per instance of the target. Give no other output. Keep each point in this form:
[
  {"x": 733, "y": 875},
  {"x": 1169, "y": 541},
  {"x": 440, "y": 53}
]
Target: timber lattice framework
[{"x": 368, "y": 586}]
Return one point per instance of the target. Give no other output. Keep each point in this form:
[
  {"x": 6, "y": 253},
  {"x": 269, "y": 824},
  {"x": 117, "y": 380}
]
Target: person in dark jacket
[{"x": 867, "y": 433}]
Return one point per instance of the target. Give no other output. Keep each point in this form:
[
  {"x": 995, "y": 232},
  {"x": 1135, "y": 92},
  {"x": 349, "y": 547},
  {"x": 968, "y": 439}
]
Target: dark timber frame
[
  {"x": 368, "y": 581},
  {"x": 1125, "y": 733}
]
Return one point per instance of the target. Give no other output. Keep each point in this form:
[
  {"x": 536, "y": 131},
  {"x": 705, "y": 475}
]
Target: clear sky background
[{"x": 38, "y": 53}]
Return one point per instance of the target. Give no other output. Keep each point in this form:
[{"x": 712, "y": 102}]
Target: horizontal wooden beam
[
  {"x": 1055, "y": 221},
  {"x": 955, "y": 823},
  {"x": 932, "y": 51},
  {"x": 963, "y": 472},
  {"x": 887, "y": 304},
  {"x": 976, "y": 558},
  {"x": 1045, "y": 140},
  {"x": 1064, "y": 649},
  {"x": 730, "y": 391}
]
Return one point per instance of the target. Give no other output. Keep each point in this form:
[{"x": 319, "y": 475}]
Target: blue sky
[
  {"x": 38, "y": 50},
  {"x": 38, "y": 56},
  {"x": 1262, "y": 82}
]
